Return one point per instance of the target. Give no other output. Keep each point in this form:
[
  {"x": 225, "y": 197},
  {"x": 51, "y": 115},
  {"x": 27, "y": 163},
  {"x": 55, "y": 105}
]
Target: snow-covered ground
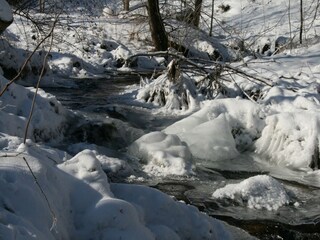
[
  {"x": 71, "y": 197},
  {"x": 48, "y": 194}
]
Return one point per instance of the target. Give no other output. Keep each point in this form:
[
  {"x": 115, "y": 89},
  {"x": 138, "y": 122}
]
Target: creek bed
[{"x": 95, "y": 99}]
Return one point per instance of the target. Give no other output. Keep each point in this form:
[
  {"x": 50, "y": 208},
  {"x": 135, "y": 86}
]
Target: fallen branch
[
  {"x": 54, "y": 218},
  {"x": 250, "y": 76},
  {"x": 205, "y": 68}
]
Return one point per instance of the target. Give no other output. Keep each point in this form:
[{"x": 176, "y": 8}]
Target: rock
[
  {"x": 281, "y": 43},
  {"x": 6, "y": 16}
]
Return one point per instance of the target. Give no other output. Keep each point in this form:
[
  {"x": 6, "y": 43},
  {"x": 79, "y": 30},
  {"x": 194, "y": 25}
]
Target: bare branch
[
  {"x": 205, "y": 68},
  {"x": 37, "y": 87},
  {"x": 28, "y": 59},
  {"x": 54, "y": 218}
]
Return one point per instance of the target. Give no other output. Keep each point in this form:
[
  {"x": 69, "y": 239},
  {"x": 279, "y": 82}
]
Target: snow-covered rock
[
  {"x": 162, "y": 154},
  {"x": 257, "y": 192},
  {"x": 6, "y": 16}
]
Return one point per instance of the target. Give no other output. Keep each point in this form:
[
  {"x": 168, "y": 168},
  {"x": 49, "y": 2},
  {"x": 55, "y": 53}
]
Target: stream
[{"x": 107, "y": 116}]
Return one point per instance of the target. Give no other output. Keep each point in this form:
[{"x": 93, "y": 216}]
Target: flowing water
[{"x": 107, "y": 116}]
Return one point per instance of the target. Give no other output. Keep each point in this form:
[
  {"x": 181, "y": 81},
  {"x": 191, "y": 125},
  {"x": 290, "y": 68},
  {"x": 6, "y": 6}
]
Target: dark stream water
[{"x": 103, "y": 111}]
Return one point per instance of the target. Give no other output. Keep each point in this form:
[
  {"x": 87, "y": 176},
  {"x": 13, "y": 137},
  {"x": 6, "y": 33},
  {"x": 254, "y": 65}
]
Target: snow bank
[
  {"x": 156, "y": 215},
  {"x": 49, "y": 117},
  {"x": 220, "y": 129},
  {"x": 24, "y": 211},
  {"x": 81, "y": 204},
  {"x": 163, "y": 154},
  {"x": 256, "y": 192}
]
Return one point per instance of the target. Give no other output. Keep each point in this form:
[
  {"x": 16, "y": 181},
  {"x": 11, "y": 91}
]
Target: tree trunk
[
  {"x": 197, "y": 12},
  {"x": 301, "y": 20},
  {"x": 126, "y": 5},
  {"x": 41, "y": 5},
  {"x": 211, "y": 20},
  {"x": 158, "y": 32}
]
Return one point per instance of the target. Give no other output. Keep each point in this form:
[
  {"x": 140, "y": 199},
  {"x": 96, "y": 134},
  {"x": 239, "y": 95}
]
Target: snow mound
[
  {"x": 163, "y": 154},
  {"x": 81, "y": 205},
  {"x": 113, "y": 166},
  {"x": 182, "y": 216},
  {"x": 220, "y": 129},
  {"x": 257, "y": 192},
  {"x": 15, "y": 105}
]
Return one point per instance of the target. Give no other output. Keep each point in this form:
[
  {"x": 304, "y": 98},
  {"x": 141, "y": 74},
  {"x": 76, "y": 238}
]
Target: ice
[
  {"x": 291, "y": 139},
  {"x": 220, "y": 129}
]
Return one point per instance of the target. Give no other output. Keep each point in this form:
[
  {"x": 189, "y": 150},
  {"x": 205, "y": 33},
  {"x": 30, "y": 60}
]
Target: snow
[
  {"x": 84, "y": 204},
  {"x": 157, "y": 218},
  {"x": 257, "y": 192},
  {"x": 15, "y": 105},
  {"x": 179, "y": 94},
  {"x": 110, "y": 164},
  {"x": 288, "y": 140},
  {"x": 5, "y": 11},
  {"x": 277, "y": 124},
  {"x": 163, "y": 154},
  {"x": 79, "y": 202},
  {"x": 219, "y": 130}
]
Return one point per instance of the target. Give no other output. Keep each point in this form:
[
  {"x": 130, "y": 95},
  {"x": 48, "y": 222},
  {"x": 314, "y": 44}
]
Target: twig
[
  {"x": 202, "y": 67},
  {"x": 43, "y": 193},
  {"x": 243, "y": 92},
  {"x": 38, "y": 84},
  {"x": 250, "y": 76},
  {"x": 28, "y": 59},
  {"x": 8, "y": 155}
]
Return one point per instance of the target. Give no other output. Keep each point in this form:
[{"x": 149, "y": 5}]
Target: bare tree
[
  {"x": 197, "y": 13},
  {"x": 211, "y": 20},
  {"x": 41, "y": 5},
  {"x": 158, "y": 32},
  {"x": 301, "y": 21},
  {"x": 126, "y": 5}
]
